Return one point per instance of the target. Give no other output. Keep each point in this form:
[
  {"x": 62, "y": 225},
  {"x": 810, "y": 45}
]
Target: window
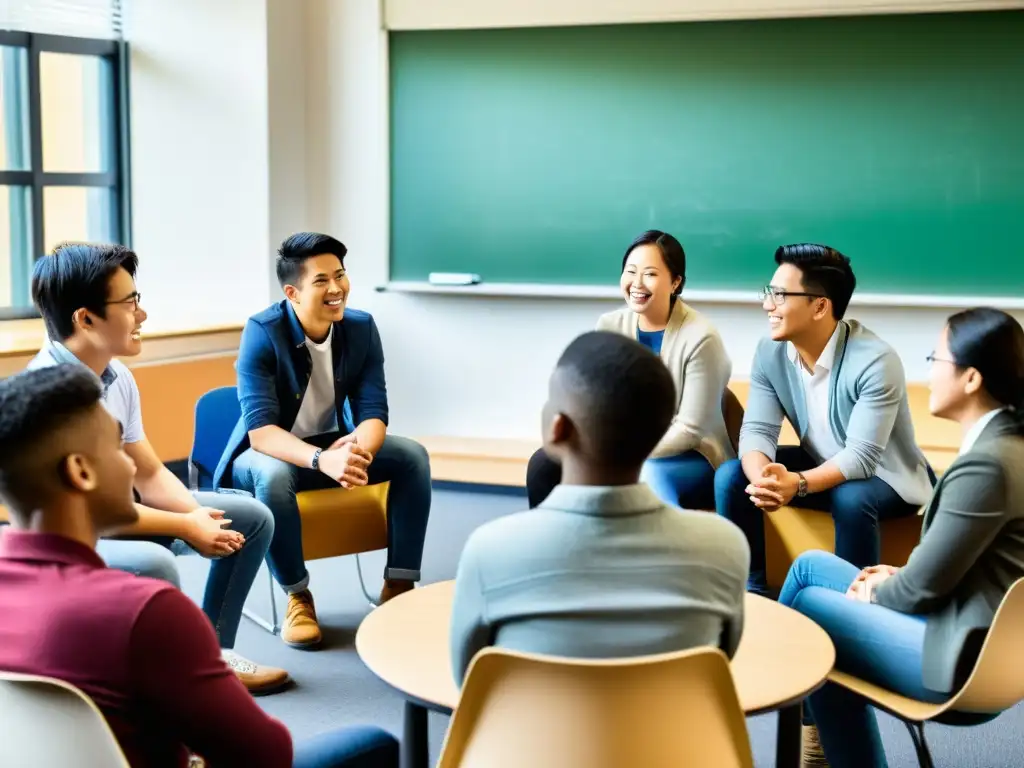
[{"x": 63, "y": 152}]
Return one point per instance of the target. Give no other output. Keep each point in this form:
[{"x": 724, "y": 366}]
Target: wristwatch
[
  {"x": 316, "y": 459},
  {"x": 801, "y": 490}
]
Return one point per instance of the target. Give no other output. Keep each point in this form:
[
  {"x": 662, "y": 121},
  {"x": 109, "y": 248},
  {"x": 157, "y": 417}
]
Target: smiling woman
[{"x": 682, "y": 467}]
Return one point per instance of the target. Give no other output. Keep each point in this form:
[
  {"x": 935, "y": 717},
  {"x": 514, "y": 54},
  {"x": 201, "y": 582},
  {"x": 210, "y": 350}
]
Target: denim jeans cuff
[
  {"x": 402, "y": 574},
  {"x": 300, "y": 586}
]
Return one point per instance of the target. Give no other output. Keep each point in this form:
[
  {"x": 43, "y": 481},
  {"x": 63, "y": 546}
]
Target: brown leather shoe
[
  {"x": 257, "y": 679},
  {"x": 300, "y": 628},
  {"x": 811, "y": 753},
  {"x": 394, "y": 588}
]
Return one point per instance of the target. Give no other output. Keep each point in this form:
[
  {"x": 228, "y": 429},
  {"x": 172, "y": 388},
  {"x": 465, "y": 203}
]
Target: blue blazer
[{"x": 274, "y": 367}]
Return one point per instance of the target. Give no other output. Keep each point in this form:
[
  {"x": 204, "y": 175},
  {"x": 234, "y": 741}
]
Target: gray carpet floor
[{"x": 333, "y": 687}]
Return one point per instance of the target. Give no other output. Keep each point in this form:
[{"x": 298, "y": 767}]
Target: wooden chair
[
  {"x": 996, "y": 683},
  {"x": 335, "y": 522},
  {"x": 672, "y": 709},
  {"x": 732, "y": 411},
  {"x": 47, "y": 723},
  {"x": 790, "y": 531}
]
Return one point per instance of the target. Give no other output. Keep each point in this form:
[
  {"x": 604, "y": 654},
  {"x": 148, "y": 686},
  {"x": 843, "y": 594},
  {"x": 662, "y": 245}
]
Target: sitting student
[
  {"x": 87, "y": 297},
  {"x": 603, "y": 568},
  {"x": 307, "y": 368},
  {"x": 917, "y": 630},
  {"x": 137, "y": 646},
  {"x": 843, "y": 390},
  {"x": 681, "y": 469}
]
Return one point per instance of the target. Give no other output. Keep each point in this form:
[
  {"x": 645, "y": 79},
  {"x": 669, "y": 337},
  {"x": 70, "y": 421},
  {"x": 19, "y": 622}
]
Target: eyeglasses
[
  {"x": 933, "y": 359},
  {"x": 778, "y": 295},
  {"x": 135, "y": 298}
]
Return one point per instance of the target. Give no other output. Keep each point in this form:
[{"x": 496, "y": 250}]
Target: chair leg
[
  {"x": 924, "y": 755},
  {"x": 271, "y": 626},
  {"x": 362, "y": 584}
]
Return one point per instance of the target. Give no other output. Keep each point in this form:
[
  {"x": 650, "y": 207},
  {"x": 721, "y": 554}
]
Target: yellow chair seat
[
  {"x": 341, "y": 521},
  {"x": 789, "y": 531}
]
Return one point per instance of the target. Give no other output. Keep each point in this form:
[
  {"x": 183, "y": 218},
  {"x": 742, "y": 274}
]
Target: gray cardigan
[
  {"x": 597, "y": 572},
  {"x": 694, "y": 354},
  {"x": 971, "y": 550},
  {"x": 868, "y": 408}
]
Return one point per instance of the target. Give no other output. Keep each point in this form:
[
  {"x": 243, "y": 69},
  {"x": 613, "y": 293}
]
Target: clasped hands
[
  {"x": 346, "y": 462},
  {"x": 775, "y": 488}
]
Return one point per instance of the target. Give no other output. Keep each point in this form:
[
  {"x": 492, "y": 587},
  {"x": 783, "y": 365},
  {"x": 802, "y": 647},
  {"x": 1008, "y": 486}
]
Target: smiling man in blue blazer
[{"x": 314, "y": 415}]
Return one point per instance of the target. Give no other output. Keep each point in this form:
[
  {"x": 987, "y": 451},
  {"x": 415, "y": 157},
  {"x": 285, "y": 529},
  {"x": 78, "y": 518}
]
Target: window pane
[
  {"x": 78, "y": 214},
  {"x": 14, "y": 152},
  {"x": 76, "y": 96},
  {"x": 15, "y": 251}
]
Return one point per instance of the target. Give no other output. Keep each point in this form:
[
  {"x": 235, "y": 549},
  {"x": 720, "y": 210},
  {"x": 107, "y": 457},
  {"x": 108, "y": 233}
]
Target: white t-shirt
[{"x": 317, "y": 413}]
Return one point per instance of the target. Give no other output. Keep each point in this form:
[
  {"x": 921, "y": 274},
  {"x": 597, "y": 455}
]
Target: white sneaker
[{"x": 256, "y": 678}]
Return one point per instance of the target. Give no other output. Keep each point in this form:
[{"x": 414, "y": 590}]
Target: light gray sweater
[
  {"x": 694, "y": 354},
  {"x": 599, "y": 572},
  {"x": 868, "y": 409}
]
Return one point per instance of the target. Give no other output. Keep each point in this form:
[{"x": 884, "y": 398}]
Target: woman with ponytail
[{"x": 917, "y": 630}]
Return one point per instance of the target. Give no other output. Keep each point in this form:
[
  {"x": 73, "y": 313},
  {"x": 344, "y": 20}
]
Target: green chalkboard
[{"x": 535, "y": 155}]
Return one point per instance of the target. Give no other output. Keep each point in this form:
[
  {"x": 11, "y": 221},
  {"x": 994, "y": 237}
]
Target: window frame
[{"x": 36, "y": 179}]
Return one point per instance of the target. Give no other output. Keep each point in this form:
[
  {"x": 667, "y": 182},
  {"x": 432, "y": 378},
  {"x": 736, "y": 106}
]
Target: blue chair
[{"x": 335, "y": 522}]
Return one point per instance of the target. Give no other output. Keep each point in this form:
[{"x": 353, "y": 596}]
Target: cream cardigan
[{"x": 694, "y": 354}]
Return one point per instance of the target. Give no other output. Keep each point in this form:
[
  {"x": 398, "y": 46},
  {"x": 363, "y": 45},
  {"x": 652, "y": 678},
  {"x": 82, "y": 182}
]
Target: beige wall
[{"x": 200, "y": 158}]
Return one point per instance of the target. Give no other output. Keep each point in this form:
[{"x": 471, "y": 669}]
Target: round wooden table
[{"x": 783, "y": 657}]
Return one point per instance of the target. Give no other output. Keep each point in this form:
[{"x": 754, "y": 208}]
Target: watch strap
[
  {"x": 802, "y": 488},
  {"x": 315, "y": 464}
]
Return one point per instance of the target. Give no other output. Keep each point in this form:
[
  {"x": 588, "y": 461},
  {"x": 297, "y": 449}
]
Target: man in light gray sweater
[
  {"x": 602, "y": 568},
  {"x": 843, "y": 390}
]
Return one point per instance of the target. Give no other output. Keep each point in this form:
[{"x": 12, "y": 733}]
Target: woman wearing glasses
[
  {"x": 682, "y": 467},
  {"x": 843, "y": 390},
  {"x": 917, "y": 629}
]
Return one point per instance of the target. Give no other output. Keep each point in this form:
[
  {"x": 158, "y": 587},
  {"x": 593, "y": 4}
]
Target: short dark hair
[
  {"x": 992, "y": 342},
  {"x": 35, "y": 406},
  {"x": 622, "y": 395},
  {"x": 73, "y": 276},
  {"x": 300, "y": 247},
  {"x": 671, "y": 251},
  {"x": 825, "y": 271}
]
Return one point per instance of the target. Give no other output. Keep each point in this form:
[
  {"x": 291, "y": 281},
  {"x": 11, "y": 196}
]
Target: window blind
[{"x": 77, "y": 18}]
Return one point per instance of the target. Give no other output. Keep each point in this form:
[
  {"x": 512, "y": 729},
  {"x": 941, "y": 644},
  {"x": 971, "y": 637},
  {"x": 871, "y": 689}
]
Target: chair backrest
[
  {"x": 47, "y": 723},
  {"x": 217, "y": 412},
  {"x": 655, "y": 711},
  {"x": 732, "y": 411},
  {"x": 997, "y": 680}
]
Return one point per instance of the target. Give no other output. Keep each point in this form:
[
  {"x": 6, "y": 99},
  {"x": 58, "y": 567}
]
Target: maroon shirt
[{"x": 141, "y": 649}]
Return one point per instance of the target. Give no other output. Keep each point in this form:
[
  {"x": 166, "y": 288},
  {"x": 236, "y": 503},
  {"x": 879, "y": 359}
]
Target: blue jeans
[
  {"x": 402, "y": 462},
  {"x": 856, "y": 506},
  {"x": 359, "y": 746},
  {"x": 230, "y": 577},
  {"x": 686, "y": 480},
  {"x": 873, "y": 643}
]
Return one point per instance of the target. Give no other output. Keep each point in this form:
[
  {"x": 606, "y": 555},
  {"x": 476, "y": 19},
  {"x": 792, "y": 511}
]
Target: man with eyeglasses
[
  {"x": 89, "y": 302},
  {"x": 843, "y": 390}
]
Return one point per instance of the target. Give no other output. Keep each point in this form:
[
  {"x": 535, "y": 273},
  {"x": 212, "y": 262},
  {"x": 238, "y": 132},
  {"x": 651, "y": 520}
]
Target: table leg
[
  {"x": 787, "y": 738},
  {"x": 415, "y": 746}
]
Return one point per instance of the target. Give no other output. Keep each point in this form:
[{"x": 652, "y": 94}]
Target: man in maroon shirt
[{"x": 141, "y": 649}]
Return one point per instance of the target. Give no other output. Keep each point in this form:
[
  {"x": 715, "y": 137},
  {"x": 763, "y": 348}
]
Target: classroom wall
[
  {"x": 464, "y": 366},
  {"x": 238, "y": 140},
  {"x": 200, "y": 158}
]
